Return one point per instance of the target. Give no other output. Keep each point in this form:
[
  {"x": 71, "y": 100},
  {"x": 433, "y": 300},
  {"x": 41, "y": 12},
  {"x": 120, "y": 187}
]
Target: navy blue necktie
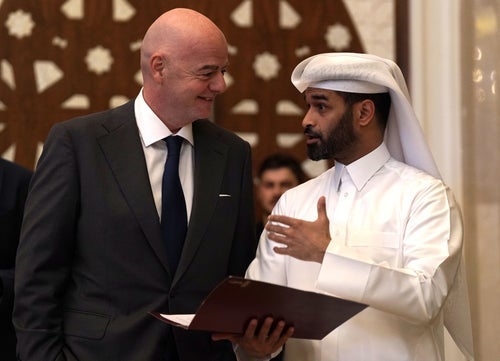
[{"x": 173, "y": 206}]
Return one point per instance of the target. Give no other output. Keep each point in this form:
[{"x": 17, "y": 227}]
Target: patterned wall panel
[{"x": 64, "y": 58}]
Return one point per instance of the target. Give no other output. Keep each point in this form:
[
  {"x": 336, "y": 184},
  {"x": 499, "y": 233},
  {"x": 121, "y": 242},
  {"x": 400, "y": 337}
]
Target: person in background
[
  {"x": 277, "y": 173},
  {"x": 94, "y": 258},
  {"x": 379, "y": 228},
  {"x": 14, "y": 183}
]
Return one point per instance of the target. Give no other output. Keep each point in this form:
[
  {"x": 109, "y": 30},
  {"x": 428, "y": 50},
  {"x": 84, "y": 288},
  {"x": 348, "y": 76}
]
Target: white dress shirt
[
  {"x": 152, "y": 132},
  {"x": 396, "y": 246}
]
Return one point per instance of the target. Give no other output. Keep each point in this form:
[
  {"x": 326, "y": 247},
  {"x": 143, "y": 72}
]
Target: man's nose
[
  {"x": 218, "y": 83},
  {"x": 308, "y": 120}
]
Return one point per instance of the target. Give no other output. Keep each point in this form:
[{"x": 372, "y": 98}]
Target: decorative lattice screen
[{"x": 63, "y": 58}]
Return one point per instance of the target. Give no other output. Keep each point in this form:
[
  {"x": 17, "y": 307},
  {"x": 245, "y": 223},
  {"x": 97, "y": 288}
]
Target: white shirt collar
[
  {"x": 151, "y": 128},
  {"x": 363, "y": 169}
]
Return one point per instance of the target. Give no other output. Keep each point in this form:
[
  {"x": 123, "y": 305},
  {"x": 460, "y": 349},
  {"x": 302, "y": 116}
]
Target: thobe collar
[{"x": 361, "y": 170}]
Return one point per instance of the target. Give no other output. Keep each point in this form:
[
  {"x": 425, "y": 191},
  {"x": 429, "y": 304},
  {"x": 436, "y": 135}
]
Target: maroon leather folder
[{"x": 235, "y": 301}]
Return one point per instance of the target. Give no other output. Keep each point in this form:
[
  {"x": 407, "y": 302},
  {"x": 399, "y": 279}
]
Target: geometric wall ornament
[
  {"x": 7, "y": 74},
  {"x": 60, "y": 42},
  {"x": 39, "y": 149},
  {"x": 266, "y": 65},
  {"x": 232, "y": 50},
  {"x": 243, "y": 14},
  {"x": 73, "y": 9},
  {"x": 287, "y": 107},
  {"x": 138, "y": 77},
  {"x": 136, "y": 45},
  {"x": 228, "y": 79},
  {"x": 289, "y": 17},
  {"x": 65, "y": 58},
  {"x": 122, "y": 10},
  {"x": 246, "y": 106},
  {"x": 338, "y": 37},
  {"x": 77, "y": 101},
  {"x": 289, "y": 140},
  {"x": 10, "y": 152},
  {"x": 117, "y": 100},
  {"x": 251, "y": 137},
  {"x": 99, "y": 60},
  {"x": 46, "y": 74},
  {"x": 20, "y": 24},
  {"x": 303, "y": 52}
]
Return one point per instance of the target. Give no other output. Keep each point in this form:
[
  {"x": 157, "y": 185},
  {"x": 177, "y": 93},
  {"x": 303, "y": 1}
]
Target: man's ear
[
  {"x": 158, "y": 67},
  {"x": 365, "y": 111}
]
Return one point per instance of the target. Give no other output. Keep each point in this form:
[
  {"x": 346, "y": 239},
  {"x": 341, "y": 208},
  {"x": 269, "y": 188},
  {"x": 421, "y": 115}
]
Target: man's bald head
[
  {"x": 178, "y": 31},
  {"x": 184, "y": 56}
]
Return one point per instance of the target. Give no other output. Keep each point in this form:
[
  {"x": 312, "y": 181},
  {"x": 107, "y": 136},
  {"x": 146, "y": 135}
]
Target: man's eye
[{"x": 211, "y": 74}]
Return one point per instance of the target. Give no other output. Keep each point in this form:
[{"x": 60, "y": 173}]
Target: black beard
[{"x": 338, "y": 142}]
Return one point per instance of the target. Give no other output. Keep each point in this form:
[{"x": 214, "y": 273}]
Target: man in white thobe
[{"x": 379, "y": 228}]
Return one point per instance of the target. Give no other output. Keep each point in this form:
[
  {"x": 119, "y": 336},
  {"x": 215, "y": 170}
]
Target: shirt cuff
[{"x": 342, "y": 276}]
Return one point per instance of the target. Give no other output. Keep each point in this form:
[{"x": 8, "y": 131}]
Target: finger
[
  {"x": 265, "y": 329},
  {"x": 282, "y": 340},
  {"x": 250, "y": 331},
  {"x": 281, "y": 219},
  {"x": 282, "y": 250},
  {"x": 276, "y": 333},
  {"x": 277, "y": 237},
  {"x": 321, "y": 206},
  {"x": 275, "y": 228}
]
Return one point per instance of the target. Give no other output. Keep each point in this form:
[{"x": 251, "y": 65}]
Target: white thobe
[{"x": 396, "y": 246}]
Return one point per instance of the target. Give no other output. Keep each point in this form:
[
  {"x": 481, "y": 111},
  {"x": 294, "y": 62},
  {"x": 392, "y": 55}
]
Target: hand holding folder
[{"x": 235, "y": 301}]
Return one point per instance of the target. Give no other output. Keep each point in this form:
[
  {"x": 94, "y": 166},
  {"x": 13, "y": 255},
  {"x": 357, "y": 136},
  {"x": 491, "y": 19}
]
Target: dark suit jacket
[
  {"x": 14, "y": 182},
  {"x": 91, "y": 262}
]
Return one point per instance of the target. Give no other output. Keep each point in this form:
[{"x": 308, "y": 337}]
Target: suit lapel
[
  {"x": 210, "y": 162},
  {"x": 123, "y": 150}
]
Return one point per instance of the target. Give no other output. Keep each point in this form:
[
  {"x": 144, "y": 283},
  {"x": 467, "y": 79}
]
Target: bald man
[{"x": 92, "y": 261}]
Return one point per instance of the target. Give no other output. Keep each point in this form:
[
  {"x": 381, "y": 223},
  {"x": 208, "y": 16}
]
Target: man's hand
[
  {"x": 260, "y": 342},
  {"x": 301, "y": 239}
]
